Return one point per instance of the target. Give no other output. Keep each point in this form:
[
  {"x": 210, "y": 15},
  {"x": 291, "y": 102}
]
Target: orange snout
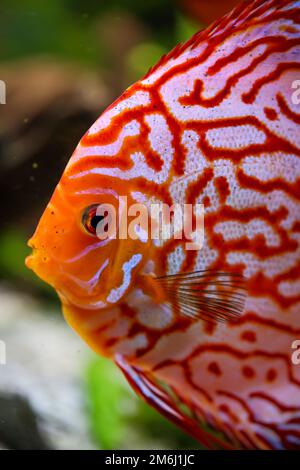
[{"x": 39, "y": 262}]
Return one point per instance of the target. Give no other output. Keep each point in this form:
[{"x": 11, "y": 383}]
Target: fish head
[{"x": 78, "y": 246}]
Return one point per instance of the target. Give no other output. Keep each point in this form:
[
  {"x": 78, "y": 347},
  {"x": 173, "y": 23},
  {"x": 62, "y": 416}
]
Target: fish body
[{"x": 215, "y": 122}]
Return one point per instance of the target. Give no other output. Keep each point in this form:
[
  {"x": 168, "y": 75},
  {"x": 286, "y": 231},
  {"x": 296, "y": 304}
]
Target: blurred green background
[{"x": 63, "y": 62}]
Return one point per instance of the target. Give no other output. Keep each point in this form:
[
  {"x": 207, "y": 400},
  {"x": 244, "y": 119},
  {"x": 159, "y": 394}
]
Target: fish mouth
[
  {"x": 32, "y": 264},
  {"x": 40, "y": 263},
  {"x": 29, "y": 260},
  {"x": 45, "y": 269}
]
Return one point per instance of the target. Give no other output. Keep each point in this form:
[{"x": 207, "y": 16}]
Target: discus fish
[{"x": 215, "y": 122}]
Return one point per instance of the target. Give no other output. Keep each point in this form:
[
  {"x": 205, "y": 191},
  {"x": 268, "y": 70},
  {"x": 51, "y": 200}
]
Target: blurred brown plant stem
[
  {"x": 50, "y": 104},
  {"x": 122, "y": 32},
  {"x": 207, "y": 11}
]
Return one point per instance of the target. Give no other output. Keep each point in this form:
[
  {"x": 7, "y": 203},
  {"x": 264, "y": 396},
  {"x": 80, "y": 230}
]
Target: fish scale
[{"x": 212, "y": 123}]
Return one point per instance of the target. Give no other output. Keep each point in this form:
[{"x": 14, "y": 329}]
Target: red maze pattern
[{"x": 223, "y": 103}]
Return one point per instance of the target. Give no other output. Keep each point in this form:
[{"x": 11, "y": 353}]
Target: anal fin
[{"x": 154, "y": 394}]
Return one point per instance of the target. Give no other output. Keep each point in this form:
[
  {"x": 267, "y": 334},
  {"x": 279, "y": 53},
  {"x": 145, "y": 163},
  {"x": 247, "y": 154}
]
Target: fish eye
[{"x": 90, "y": 219}]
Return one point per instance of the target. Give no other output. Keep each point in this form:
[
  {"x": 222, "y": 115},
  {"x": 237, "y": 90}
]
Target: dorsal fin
[{"x": 245, "y": 12}]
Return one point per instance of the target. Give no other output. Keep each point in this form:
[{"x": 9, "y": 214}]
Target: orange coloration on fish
[{"x": 214, "y": 122}]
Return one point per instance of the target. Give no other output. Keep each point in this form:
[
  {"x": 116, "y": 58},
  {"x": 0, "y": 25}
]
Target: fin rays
[{"x": 206, "y": 294}]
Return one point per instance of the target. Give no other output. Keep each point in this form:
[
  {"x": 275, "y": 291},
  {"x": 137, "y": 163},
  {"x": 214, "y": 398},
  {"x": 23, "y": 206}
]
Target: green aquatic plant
[{"x": 119, "y": 418}]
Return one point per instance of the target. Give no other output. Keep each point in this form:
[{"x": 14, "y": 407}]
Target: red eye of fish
[{"x": 90, "y": 219}]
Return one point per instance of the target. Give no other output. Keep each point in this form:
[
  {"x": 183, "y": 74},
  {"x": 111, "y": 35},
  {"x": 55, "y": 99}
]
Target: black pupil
[{"x": 95, "y": 220}]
